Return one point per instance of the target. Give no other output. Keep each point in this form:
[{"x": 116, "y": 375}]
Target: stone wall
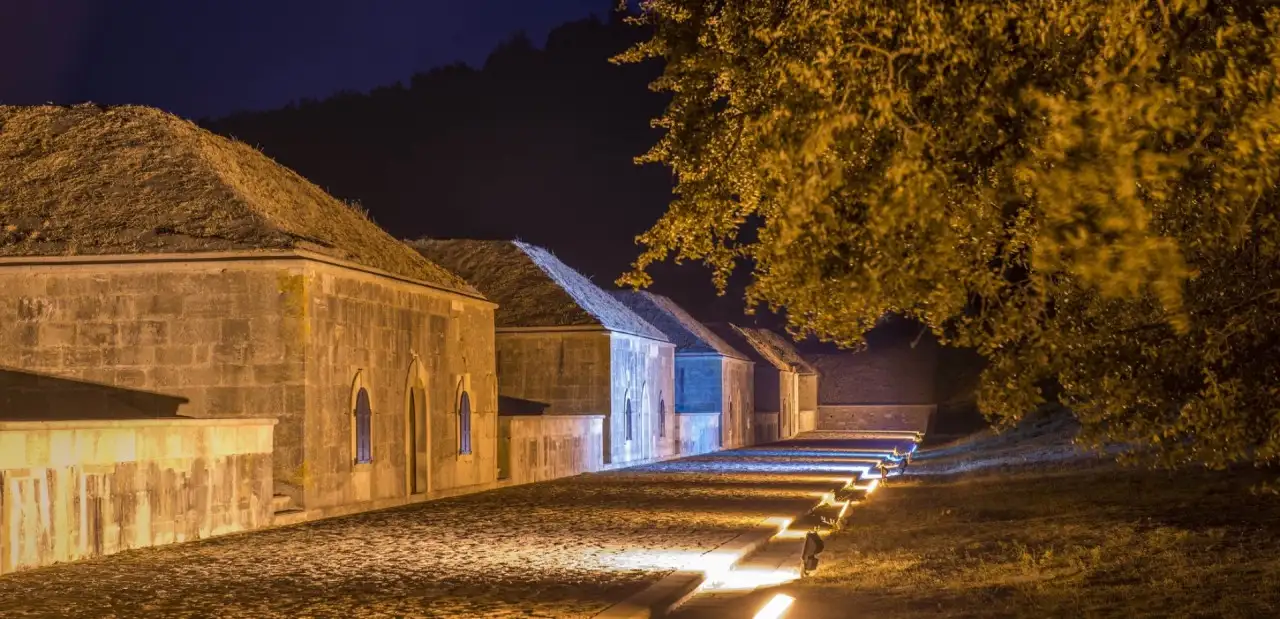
[
  {"x": 567, "y": 370},
  {"x": 643, "y": 375},
  {"x": 789, "y": 404},
  {"x": 392, "y": 337},
  {"x": 739, "y": 403},
  {"x": 807, "y": 398},
  {"x": 859, "y": 417},
  {"x": 699, "y": 383},
  {"x": 766, "y": 427},
  {"x": 280, "y": 336},
  {"x": 77, "y": 489},
  {"x": 204, "y": 337},
  {"x": 698, "y": 433},
  {"x": 542, "y": 447}
]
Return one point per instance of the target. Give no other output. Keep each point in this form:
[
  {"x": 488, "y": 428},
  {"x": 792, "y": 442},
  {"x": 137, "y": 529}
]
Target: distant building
[
  {"x": 712, "y": 378},
  {"x": 786, "y": 386},
  {"x": 567, "y": 347},
  {"x": 169, "y": 272},
  {"x": 889, "y": 385}
]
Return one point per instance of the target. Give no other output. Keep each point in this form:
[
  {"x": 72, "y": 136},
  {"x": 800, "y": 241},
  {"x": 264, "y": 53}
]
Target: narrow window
[
  {"x": 464, "y": 424},
  {"x": 662, "y": 417},
  {"x": 628, "y": 420},
  {"x": 364, "y": 415}
]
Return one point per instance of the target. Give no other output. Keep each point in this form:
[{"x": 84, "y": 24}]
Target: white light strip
[{"x": 776, "y": 607}]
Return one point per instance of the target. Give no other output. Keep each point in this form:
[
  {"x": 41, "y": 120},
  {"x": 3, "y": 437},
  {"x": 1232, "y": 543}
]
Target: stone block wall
[
  {"x": 738, "y": 378},
  {"x": 698, "y": 433},
  {"x": 862, "y": 417},
  {"x": 388, "y": 337},
  {"x": 789, "y": 404},
  {"x": 699, "y": 383},
  {"x": 543, "y": 447},
  {"x": 72, "y": 490},
  {"x": 643, "y": 375},
  {"x": 766, "y": 427},
  {"x": 204, "y": 338},
  {"x": 569, "y": 371}
]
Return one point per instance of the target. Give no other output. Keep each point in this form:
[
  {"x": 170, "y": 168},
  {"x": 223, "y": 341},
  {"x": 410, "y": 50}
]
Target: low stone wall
[
  {"x": 73, "y": 490},
  {"x": 766, "y": 427},
  {"x": 860, "y": 417},
  {"x": 541, "y": 447},
  {"x": 698, "y": 433}
]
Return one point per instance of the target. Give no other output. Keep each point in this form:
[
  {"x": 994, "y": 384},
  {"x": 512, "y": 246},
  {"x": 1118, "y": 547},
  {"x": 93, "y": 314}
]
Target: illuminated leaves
[{"x": 1084, "y": 191}]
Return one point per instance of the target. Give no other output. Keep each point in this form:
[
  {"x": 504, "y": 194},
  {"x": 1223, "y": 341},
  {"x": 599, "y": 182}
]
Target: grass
[{"x": 1065, "y": 538}]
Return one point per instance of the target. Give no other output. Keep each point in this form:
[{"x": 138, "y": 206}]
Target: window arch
[
  {"x": 464, "y": 423},
  {"x": 628, "y": 421},
  {"x": 363, "y": 418},
  {"x": 662, "y": 416}
]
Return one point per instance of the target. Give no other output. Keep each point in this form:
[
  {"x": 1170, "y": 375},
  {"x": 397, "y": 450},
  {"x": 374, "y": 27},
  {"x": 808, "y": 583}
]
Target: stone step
[
  {"x": 281, "y": 502},
  {"x": 293, "y": 515}
]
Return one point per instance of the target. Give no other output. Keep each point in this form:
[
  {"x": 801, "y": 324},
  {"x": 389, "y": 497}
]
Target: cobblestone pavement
[{"x": 567, "y": 548}]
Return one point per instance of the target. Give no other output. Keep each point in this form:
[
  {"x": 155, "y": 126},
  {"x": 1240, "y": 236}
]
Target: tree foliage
[{"x": 1083, "y": 190}]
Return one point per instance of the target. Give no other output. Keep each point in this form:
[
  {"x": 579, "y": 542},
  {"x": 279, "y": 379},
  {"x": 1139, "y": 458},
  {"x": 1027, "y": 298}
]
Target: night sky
[
  {"x": 200, "y": 58},
  {"x": 203, "y": 60}
]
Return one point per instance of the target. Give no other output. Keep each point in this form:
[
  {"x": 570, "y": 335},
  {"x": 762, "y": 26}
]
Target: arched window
[
  {"x": 464, "y": 424},
  {"x": 662, "y": 417},
  {"x": 364, "y": 417},
  {"x": 628, "y": 421}
]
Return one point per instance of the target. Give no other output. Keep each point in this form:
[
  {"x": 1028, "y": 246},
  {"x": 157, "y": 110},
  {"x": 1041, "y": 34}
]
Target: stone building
[
  {"x": 786, "y": 386},
  {"x": 889, "y": 385},
  {"x": 714, "y": 382},
  {"x": 567, "y": 347},
  {"x": 140, "y": 254}
]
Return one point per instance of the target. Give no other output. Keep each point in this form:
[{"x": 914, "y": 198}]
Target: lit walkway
[{"x": 568, "y": 548}]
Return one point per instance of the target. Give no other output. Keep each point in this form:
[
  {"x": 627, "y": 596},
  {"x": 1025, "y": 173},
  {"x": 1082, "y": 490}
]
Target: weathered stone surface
[
  {"x": 274, "y": 337},
  {"x": 543, "y": 447},
  {"x": 859, "y": 417},
  {"x": 698, "y": 433},
  {"x": 79, "y": 489}
]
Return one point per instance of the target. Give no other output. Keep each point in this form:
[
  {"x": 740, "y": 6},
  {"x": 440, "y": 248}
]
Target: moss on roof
[
  {"x": 689, "y": 335},
  {"x": 125, "y": 180},
  {"x": 763, "y": 346},
  {"x": 532, "y": 287}
]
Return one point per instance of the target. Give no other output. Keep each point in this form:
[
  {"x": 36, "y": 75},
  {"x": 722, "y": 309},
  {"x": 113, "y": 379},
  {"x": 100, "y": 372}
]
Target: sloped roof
[
  {"x": 771, "y": 344},
  {"x": 131, "y": 179},
  {"x": 732, "y": 335},
  {"x": 689, "y": 335},
  {"x": 532, "y": 287},
  {"x": 763, "y": 346}
]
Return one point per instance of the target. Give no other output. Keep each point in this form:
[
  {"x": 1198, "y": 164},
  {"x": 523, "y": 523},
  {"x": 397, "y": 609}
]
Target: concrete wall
[
  {"x": 643, "y": 373},
  {"x": 77, "y": 489},
  {"x": 391, "y": 337},
  {"x": 876, "y": 417},
  {"x": 542, "y": 447},
  {"x": 737, "y": 424},
  {"x": 698, "y": 433}
]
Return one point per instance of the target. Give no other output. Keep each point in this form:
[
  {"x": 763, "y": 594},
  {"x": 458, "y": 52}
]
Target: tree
[{"x": 1084, "y": 191}]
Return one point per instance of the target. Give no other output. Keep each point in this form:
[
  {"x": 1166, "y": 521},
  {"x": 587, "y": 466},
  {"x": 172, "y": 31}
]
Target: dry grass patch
[{"x": 1076, "y": 540}]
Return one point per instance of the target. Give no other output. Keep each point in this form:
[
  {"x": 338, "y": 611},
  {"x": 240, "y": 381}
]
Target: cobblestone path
[{"x": 567, "y": 548}]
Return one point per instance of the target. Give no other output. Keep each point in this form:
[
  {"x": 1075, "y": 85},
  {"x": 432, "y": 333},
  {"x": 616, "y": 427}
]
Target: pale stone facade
[
  {"x": 540, "y": 447},
  {"x": 79, "y": 489},
  {"x": 287, "y": 336},
  {"x": 711, "y": 376},
  {"x": 567, "y": 347}
]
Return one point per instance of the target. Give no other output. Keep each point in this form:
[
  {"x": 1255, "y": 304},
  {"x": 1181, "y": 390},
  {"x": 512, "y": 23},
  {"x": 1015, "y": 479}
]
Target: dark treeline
[{"x": 537, "y": 144}]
